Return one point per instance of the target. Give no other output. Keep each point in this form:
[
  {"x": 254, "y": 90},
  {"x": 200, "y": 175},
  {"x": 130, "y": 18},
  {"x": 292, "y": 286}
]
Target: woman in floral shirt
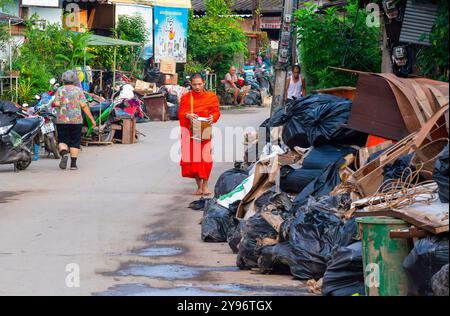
[{"x": 70, "y": 101}]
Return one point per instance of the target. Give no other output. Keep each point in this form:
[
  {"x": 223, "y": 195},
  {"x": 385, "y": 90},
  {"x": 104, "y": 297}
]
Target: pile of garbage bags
[
  {"x": 316, "y": 120},
  {"x": 440, "y": 174},
  {"x": 428, "y": 256},
  {"x": 300, "y": 222}
]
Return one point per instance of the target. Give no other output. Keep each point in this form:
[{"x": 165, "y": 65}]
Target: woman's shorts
[{"x": 69, "y": 134}]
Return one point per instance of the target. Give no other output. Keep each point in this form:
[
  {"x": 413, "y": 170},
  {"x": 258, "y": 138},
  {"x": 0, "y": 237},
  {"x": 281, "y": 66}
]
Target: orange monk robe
[{"x": 196, "y": 156}]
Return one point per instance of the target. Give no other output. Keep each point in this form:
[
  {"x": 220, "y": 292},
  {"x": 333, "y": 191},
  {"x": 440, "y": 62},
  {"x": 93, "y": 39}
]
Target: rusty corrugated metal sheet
[
  {"x": 375, "y": 110},
  {"x": 419, "y": 19}
]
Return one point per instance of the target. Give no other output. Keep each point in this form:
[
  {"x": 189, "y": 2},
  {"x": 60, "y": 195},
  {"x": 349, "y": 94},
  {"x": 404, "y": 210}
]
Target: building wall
[{"x": 51, "y": 15}]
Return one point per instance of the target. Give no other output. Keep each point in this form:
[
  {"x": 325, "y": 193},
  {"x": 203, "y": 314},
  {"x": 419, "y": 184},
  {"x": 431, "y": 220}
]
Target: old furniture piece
[
  {"x": 125, "y": 131},
  {"x": 156, "y": 107}
]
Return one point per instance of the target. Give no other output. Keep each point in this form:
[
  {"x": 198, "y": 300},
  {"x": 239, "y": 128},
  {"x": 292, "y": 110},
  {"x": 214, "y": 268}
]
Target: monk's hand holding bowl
[{"x": 192, "y": 116}]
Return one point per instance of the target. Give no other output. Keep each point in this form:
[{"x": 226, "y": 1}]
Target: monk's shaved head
[{"x": 197, "y": 83}]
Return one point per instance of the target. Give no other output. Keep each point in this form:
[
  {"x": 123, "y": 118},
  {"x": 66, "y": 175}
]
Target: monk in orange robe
[{"x": 196, "y": 156}]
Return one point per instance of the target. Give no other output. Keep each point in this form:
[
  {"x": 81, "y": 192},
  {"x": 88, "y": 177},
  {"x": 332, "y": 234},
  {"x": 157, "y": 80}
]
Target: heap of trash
[{"x": 339, "y": 204}]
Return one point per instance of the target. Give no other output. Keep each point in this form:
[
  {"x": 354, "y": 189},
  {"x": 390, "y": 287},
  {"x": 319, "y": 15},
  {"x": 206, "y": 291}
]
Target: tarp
[{"x": 97, "y": 40}]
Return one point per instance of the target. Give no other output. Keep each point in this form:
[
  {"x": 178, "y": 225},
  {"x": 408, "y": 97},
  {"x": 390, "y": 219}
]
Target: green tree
[
  {"x": 215, "y": 38},
  {"x": 339, "y": 38},
  {"x": 4, "y": 3},
  {"x": 129, "y": 28},
  {"x": 46, "y": 54}
]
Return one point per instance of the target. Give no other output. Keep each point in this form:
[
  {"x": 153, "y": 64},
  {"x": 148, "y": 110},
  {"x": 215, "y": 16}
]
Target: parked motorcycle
[
  {"x": 48, "y": 135},
  {"x": 104, "y": 114},
  {"x": 17, "y": 133}
]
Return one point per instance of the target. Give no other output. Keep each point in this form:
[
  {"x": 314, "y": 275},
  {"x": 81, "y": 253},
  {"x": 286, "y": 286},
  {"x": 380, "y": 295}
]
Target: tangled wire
[{"x": 403, "y": 192}]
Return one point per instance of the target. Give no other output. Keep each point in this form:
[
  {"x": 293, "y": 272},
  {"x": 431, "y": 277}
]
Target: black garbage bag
[
  {"x": 322, "y": 185},
  {"x": 428, "y": 256},
  {"x": 324, "y": 120},
  {"x": 344, "y": 275},
  {"x": 216, "y": 223},
  {"x": 235, "y": 235},
  {"x": 314, "y": 235},
  {"x": 229, "y": 180},
  {"x": 400, "y": 169},
  {"x": 276, "y": 259},
  {"x": 153, "y": 75},
  {"x": 440, "y": 174},
  {"x": 439, "y": 282},
  {"x": 320, "y": 157},
  {"x": 199, "y": 205},
  {"x": 278, "y": 117},
  {"x": 253, "y": 98},
  {"x": 173, "y": 111},
  {"x": 172, "y": 98},
  {"x": 255, "y": 228},
  {"x": 294, "y": 135},
  {"x": 295, "y": 180}
]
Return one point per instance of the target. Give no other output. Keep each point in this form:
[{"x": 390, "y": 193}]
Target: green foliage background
[
  {"x": 336, "y": 38},
  {"x": 129, "y": 28},
  {"x": 432, "y": 61},
  {"x": 46, "y": 54},
  {"x": 214, "y": 39}
]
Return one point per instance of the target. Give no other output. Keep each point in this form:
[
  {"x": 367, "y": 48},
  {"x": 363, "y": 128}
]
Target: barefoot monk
[{"x": 196, "y": 156}]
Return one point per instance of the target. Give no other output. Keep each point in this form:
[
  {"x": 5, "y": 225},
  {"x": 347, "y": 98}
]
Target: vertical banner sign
[
  {"x": 147, "y": 13},
  {"x": 170, "y": 39}
]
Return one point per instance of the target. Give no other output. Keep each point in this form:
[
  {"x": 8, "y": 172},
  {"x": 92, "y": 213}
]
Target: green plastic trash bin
[{"x": 383, "y": 256}]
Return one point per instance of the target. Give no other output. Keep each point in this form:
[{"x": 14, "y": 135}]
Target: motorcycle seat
[
  {"x": 26, "y": 125},
  {"x": 95, "y": 109}
]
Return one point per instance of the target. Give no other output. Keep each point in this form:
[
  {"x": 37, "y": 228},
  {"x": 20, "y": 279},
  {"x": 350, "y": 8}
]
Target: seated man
[{"x": 231, "y": 87}]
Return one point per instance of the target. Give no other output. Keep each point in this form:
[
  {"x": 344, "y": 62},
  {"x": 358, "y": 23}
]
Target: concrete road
[{"x": 123, "y": 221}]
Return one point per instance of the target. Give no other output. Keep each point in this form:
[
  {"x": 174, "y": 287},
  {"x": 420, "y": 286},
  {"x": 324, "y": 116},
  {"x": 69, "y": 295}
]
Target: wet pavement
[{"x": 123, "y": 218}]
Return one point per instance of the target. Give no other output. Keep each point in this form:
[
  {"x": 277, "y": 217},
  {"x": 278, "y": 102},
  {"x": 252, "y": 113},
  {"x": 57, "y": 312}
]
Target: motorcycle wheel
[
  {"x": 23, "y": 164},
  {"x": 52, "y": 145},
  {"x": 107, "y": 135}
]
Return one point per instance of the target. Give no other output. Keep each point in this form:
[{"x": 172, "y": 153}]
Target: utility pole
[{"x": 285, "y": 53}]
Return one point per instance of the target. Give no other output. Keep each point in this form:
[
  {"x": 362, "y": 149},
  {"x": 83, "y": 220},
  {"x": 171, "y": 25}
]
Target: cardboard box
[
  {"x": 168, "y": 66},
  {"x": 143, "y": 88},
  {"x": 171, "y": 79}
]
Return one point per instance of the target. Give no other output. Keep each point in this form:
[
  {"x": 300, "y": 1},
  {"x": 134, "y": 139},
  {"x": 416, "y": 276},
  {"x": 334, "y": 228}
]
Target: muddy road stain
[
  {"x": 157, "y": 251},
  {"x": 157, "y": 236},
  {"x": 8, "y": 196},
  {"x": 167, "y": 271},
  {"x": 140, "y": 289},
  {"x": 146, "y": 290}
]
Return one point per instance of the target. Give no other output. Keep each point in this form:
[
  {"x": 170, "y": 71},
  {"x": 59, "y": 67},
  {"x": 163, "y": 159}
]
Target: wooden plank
[
  {"x": 412, "y": 232},
  {"x": 415, "y": 216}
]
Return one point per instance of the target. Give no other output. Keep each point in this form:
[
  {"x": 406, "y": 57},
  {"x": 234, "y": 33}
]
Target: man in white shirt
[{"x": 295, "y": 85}]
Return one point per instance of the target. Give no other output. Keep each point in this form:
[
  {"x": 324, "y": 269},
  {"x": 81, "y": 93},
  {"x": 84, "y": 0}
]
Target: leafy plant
[
  {"x": 336, "y": 38},
  {"x": 129, "y": 28},
  {"x": 46, "y": 54},
  {"x": 432, "y": 60},
  {"x": 77, "y": 54},
  {"x": 215, "y": 38}
]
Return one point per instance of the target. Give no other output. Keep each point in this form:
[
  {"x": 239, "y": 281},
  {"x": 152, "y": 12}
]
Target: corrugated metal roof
[
  {"x": 244, "y": 5},
  {"x": 162, "y": 3},
  {"x": 419, "y": 19}
]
